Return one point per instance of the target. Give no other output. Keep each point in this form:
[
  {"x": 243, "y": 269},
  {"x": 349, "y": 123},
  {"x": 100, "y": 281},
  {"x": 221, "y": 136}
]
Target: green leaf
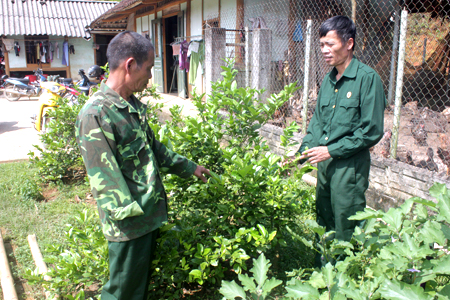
[
  {"x": 260, "y": 268},
  {"x": 444, "y": 208},
  {"x": 366, "y": 214},
  {"x": 317, "y": 280},
  {"x": 302, "y": 291},
  {"x": 196, "y": 273},
  {"x": 432, "y": 232},
  {"x": 269, "y": 285},
  {"x": 442, "y": 266},
  {"x": 394, "y": 218},
  {"x": 437, "y": 190},
  {"x": 231, "y": 290},
  {"x": 247, "y": 282},
  {"x": 402, "y": 291}
]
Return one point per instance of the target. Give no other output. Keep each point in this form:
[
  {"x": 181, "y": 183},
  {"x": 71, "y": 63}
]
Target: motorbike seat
[
  {"x": 23, "y": 80},
  {"x": 65, "y": 81},
  {"x": 84, "y": 89}
]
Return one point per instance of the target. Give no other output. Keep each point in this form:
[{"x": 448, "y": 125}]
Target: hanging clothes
[
  {"x": 197, "y": 57},
  {"x": 9, "y": 44},
  {"x": 298, "y": 33},
  {"x": 184, "y": 47},
  {"x": 16, "y": 48},
  {"x": 51, "y": 51},
  {"x": 43, "y": 54},
  {"x": 65, "y": 54},
  {"x": 38, "y": 51},
  {"x": 72, "y": 49},
  {"x": 57, "y": 49}
]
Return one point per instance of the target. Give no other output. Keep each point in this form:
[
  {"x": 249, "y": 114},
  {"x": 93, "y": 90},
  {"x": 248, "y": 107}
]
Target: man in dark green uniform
[
  {"x": 123, "y": 161},
  {"x": 348, "y": 120}
]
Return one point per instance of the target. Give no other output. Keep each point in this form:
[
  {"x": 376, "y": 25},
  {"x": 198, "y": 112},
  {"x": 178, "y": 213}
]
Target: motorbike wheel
[{"x": 11, "y": 96}]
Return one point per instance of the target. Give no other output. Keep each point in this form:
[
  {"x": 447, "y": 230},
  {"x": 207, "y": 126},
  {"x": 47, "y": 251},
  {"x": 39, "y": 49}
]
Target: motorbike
[
  {"x": 14, "y": 88},
  {"x": 85, "y": 84},
  {"x": 47, "y": 101}
]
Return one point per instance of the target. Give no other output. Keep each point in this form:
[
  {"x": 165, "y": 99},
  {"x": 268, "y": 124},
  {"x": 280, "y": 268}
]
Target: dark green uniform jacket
[
  {"x": 123, "y": 161},
  {"x": 348, "y": 120},
  {"x": 349, "y": 113}
]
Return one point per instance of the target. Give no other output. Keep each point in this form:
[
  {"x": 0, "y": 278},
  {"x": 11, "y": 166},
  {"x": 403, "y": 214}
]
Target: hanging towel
[
  {"x": 65, "y": 55},
  {"x": 176, "y": 49},
  {"x": 38, "y": 51},
  {"x": 57, "y": 49},
  {"x": 44, "y": 53},
  {"x": 197, "y": 58},
  {"x": 50, "y": 48},
  {"x": 9, "y": 44}
]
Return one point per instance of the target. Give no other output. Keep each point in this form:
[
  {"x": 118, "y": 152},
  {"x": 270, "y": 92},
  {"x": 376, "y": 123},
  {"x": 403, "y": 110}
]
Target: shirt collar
[
  {"x": 350, "y": 71},
  {"x": 118, "y": 101}
]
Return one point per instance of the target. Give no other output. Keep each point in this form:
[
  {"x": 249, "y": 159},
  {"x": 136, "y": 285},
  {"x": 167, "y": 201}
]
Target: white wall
[
  {"x": 228, "y": 14},
  {"x": 83, "y": 57},
  {"x": 21, "y": 60},
  {"x": 196, "y": 17},
  {"x": 210, "y": 9},
  {"x": 275, "y": 17}
]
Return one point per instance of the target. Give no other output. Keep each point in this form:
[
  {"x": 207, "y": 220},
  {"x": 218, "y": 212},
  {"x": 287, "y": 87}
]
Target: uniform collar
[
  {"x": 118, "y": 101},
  {"x": 350, "y": 71}
]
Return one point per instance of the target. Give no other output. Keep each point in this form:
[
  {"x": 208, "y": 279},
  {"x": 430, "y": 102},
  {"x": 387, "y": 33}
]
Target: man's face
[
  {"x": 334, "y": 51},
  {"x": 142, "y": 75}
]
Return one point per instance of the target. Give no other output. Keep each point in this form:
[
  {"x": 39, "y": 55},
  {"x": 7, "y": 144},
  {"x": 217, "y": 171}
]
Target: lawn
[{"x": 20, "y": 217}]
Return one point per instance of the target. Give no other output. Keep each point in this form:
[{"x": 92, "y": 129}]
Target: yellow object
[{"x": 47, "y": 101}]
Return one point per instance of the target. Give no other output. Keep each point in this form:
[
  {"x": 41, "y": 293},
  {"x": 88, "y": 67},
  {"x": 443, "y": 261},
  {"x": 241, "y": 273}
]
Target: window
[{"x": 37, "y": 49}]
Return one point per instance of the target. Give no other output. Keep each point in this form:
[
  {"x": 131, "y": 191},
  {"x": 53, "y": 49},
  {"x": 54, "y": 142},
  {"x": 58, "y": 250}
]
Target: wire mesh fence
[{"x": 278, "y": 26}]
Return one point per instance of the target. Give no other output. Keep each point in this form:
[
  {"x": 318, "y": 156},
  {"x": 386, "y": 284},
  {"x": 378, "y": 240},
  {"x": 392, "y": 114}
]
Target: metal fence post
[
  {"x": 394, "y": 50},
  {"x": 306, "y": 75},
  {"x": 399, "y": 85},
  {"x": 247, "y": 61}
]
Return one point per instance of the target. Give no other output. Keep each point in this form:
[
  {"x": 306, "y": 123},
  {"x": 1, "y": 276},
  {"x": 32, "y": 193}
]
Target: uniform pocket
[
  {"x": 349, "y": 111},
  {"x": 325, "y": 110},
  {"x": 132, "y": 149}
]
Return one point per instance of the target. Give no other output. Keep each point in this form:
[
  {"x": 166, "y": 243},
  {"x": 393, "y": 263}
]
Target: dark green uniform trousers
[
  {"x": 341, "y": 184},
  {"x": 130, "y": 268}
]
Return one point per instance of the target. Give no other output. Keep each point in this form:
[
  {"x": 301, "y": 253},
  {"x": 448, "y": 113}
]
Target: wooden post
[
  {"x": 7, "y": 281},
  {"x": 7, "y": 63},
  {"x": 215, "y": 47},
  {"x": 261, "y": 58}
]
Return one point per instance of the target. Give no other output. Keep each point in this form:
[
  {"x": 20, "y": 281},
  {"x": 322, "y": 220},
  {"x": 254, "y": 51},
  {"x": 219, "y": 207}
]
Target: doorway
[
  {"x": 102, "y": 42},
  {"x": 171, "y": 60}
]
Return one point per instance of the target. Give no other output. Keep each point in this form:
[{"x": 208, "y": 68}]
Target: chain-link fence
[{"x": 267, "y": 39}]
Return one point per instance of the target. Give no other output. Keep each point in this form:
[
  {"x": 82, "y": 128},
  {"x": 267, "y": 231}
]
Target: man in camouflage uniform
[{"x": 123, "y": 161}]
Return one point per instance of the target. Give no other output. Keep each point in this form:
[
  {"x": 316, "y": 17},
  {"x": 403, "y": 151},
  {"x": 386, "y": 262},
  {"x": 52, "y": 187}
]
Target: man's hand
[
  {"x": 199, "y": 173},
  {"x": 316, "y": 154}
]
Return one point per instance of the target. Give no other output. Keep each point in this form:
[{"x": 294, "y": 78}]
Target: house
[
  {"x": 167, "y": 22},
  {"x": 34, "y": 33}
]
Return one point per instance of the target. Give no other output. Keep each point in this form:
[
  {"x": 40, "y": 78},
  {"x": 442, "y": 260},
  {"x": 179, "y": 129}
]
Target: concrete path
[{"x": 17, "y": 136}]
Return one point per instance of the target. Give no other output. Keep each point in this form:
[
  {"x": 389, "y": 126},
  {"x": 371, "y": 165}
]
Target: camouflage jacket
[{"x": 123, "y": 161}]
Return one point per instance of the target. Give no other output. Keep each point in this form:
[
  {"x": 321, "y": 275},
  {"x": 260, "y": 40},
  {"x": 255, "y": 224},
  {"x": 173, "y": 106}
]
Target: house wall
[
  {"x": 210, "y": 9},
  {"x": 275, "y": 17},
  {"x": 83, "y": 57},
  {"x": 228, "y": 14},
  {"x": 17, "y": 61}
]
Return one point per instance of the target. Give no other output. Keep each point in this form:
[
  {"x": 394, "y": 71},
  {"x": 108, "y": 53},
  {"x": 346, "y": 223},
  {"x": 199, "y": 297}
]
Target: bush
[
  {"x": 399, "y": 254},
  {"x": 215, "y": 228}
]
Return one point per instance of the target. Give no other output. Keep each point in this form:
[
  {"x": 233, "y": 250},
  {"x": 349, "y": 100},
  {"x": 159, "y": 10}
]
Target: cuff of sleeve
[
  {"x": 190, "y": 169},
  {"x": 131, "y": 210},
  {"x": 335, "y": 151}
]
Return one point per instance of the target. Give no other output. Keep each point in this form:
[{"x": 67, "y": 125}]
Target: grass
[{"x": 22, "y": 216}]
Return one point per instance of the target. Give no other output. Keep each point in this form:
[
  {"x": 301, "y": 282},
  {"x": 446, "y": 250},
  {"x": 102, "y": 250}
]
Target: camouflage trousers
[{"x": 130, "y": 268}]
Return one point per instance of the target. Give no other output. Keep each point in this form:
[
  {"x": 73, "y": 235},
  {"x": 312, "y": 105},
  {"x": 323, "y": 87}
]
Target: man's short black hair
[
  {"x": 344, "y": 26},
  {"x": 125, "y": 45}
]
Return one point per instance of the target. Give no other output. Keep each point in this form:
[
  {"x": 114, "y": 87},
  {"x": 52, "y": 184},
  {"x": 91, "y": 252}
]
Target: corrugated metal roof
[{"x": 50, "y": 17}]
